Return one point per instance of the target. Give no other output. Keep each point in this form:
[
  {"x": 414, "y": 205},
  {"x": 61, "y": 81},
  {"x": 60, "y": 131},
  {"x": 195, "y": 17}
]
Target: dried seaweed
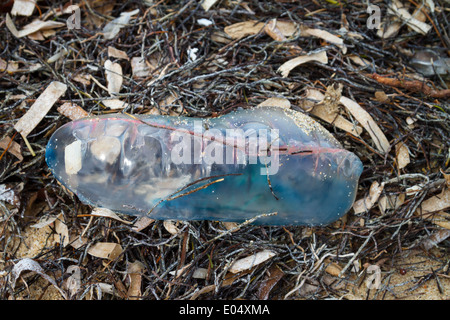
[{"x": 223, "y": 74}]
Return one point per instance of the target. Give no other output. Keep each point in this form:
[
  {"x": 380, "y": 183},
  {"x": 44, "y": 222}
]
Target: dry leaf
[
  {"x": 28, "y": 264},
  {"x": 243, "y": 29},
  {"x": 397, "y": 8},
  {"x": 390, "y": 202},
  {"x": 230, "y": 225},
  {"x": 114, "y": 104},
  {"x": 389, "y": 29},
  {"x": 368, "y": 202},
  {"x": 435, "y": 238},
  {"x": 114, "y": 77},
  {"x": 402, "y": 155},
  {"x": 334, "y": 269},
  {"x": 273, "y": 31},
  {"x": 73, "y": 282},
  {"x": 324, "y": 35},
  {"x": 40, "y": 108},
  {"x": 359, "y": 61},
  {"x": 322, "y": 111},
  {"x": 142, "y": 223},
  {"x": 45, "y": 221},
  {"x": 207, "y": 4},
  {"x": 23, "y": 7},
  {"x": 140, "y": 68},
  {"x": 105, "y": 250},
  {"x": 446, "y": 177},
  {"x": 77, "y": 241},
  {"x": 366, "y": 120},
  {"x": 82, "y": 78},
  {"x": 283, "y": 29},
  {"x": 62, "y": 232},
  {"x": 72, "y": 111},
  {"x": 431, "y": 209},
  {"x": 274, "y": 275},
  {"x": 286, "y": 67},
  {"x": 103, "y": 212},
  {"x": 251, "y": 261},
  {"x": 13, "y": 147},
  {"x": 134, "y": 272},
  {"x": 170, "y": 226},
  {"x": 116, "y": 53},
  {"x": 276, "y": 102},
  {"x": 113, "y": 27},
  {"x": 36, "y": 25},
  {"x": 10, "y": 66}
]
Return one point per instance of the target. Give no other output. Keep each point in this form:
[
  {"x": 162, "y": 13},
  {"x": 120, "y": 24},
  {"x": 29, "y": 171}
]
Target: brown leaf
[
  {"x": 274, "y": 275},
  {"x": 105, "y": 250},
  {"x": 13, "y": 147}
]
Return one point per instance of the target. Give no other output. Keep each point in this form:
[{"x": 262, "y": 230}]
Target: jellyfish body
[{"x": 229, "y": 168}]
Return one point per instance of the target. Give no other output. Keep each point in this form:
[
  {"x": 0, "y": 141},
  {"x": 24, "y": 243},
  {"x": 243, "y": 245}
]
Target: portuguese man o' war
[{"x": 233, "y": 167}]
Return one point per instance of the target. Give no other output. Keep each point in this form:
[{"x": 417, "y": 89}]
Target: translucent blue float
[{"x": 229, "y": 168}]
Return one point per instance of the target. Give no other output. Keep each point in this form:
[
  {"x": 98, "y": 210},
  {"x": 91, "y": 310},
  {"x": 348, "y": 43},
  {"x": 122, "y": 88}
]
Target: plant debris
[{"x": 381, "y": 90}]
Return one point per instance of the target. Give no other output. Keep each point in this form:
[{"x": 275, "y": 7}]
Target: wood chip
[
  {"x": 72, "y": 111},
  {"x": 286, "y": 67},
  {"x": 106, "y": 250},
  {"x": 251, "y": 261},
  {"x": 369, "y": 201},
  {"x": 114, "y": 76},
  {"x": 40, "y": 108}
]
